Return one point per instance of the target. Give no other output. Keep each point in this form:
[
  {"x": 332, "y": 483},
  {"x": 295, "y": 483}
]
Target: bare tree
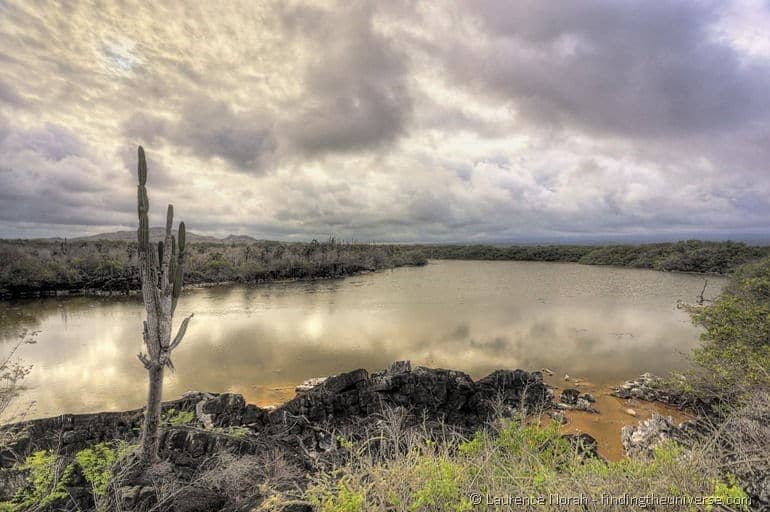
[
  {"x": 701, "y": 299},
  {"x": 161, "y": 275}
]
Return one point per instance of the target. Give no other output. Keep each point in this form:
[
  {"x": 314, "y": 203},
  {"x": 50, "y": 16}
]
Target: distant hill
[
  {"x": 240, "y": 239},
  {"x": 157, "y": 233}
]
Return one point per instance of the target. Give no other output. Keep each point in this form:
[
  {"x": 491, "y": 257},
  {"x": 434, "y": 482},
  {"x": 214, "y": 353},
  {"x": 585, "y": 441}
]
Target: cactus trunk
[{"x": 161, "y": 273}]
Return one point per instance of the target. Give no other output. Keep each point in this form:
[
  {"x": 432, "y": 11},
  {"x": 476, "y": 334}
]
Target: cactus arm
[{"x": 180, "y": 333}]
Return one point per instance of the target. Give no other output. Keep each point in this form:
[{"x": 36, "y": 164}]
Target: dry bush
[
  {"x": 13, "y": 371},
  {"x": 740, "y": 444},
  {"x": 247, "y": 480}
]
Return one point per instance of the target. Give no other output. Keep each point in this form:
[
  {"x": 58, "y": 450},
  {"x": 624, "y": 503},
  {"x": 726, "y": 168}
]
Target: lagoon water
[{"x": 602, "y": 324}]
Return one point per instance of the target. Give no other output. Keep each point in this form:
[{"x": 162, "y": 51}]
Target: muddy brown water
[
  {"x": 600, "y": 324},
  {"x": 613, "y": 414}
]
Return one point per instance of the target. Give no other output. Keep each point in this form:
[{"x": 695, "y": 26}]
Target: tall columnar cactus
[{"x": 161, "y": 274}]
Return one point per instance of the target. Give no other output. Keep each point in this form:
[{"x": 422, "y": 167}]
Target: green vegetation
[
  {"x": 32, "y": 266},
  {"x": 97, "y": 464},
  {"x": 552, "y": 253},
  {"x": 689, "y": 256},
  {"x": 46, "y": 476},
  {"x": 536, "y": 465},
  {"x": 45, "y": 482},
  {"x": 736, "y": 340},
  {"x": 177, "y": 418},
  {"x": 728, "y": 491},
  {"x": 236, "y": 431},
  {"x": 732, "y": 364}
]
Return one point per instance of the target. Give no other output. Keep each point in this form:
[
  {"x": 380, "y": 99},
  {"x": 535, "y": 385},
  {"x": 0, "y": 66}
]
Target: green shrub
[
  {"x": 45, "y": 482},
  {"x": 441, "y": 486},
  {"x": 177, "y": 418},
  {"x": 735, "y": 348},
  {"x": 474, "y": 446},
  {"x": 97, "y": 463},
  {"x": 728, "y": 493},
  {"x": 340, "y": 498},
  {"x": 543, "y": 445}
]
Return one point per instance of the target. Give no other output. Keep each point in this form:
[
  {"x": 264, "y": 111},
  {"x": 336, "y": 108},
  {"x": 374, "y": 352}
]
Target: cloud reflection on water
[{"x": 603, "y": 324}]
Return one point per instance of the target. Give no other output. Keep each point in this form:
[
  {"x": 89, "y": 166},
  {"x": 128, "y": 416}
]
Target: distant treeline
[
  {"x": 688, "y": 256},
  {"x": 41, "y": 266}
]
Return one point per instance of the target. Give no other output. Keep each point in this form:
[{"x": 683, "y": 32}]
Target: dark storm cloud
[
  {"x": 161, "y": 176},
  {"x": 355, "y": 92},
  {"x": 624, "y": 68},
  {"x": 48, "y": 177},
  {"x": 209, "y": 128}
]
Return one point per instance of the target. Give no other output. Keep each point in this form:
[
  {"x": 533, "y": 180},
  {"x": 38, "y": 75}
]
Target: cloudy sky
[{"x": 436, "y": 120}]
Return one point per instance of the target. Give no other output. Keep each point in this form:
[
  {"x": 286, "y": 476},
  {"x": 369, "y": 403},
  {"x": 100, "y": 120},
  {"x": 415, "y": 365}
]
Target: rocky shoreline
[{"x": 306, "y": 431}]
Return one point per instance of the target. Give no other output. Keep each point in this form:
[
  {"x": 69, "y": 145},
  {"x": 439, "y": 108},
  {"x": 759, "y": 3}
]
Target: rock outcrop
[
  {"x": 228, "y": 410},
  {"x": 70, "y": 433},
  {"x": 649, "y": 387},
  {"x": 642, "y": 439},
  {"x": 572, "y": 399},
  {"x": 585, "y": 444},
  {"x": 302, "y": 430},
  {"x": 437, "y": 394}
]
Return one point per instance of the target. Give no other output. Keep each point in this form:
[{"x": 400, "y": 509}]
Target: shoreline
[
  {"x": 97, "y": 292},
  {"x": 603, "y": 421}
]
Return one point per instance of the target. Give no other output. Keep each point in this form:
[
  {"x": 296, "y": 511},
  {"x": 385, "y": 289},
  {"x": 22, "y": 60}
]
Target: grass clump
[
  {"x": 442, "y": 480},
  {"x": 339, "y": 497}
]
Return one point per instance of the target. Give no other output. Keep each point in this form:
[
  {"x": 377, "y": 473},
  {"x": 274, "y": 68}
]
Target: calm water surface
[{"x": 597, "y": 323}]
